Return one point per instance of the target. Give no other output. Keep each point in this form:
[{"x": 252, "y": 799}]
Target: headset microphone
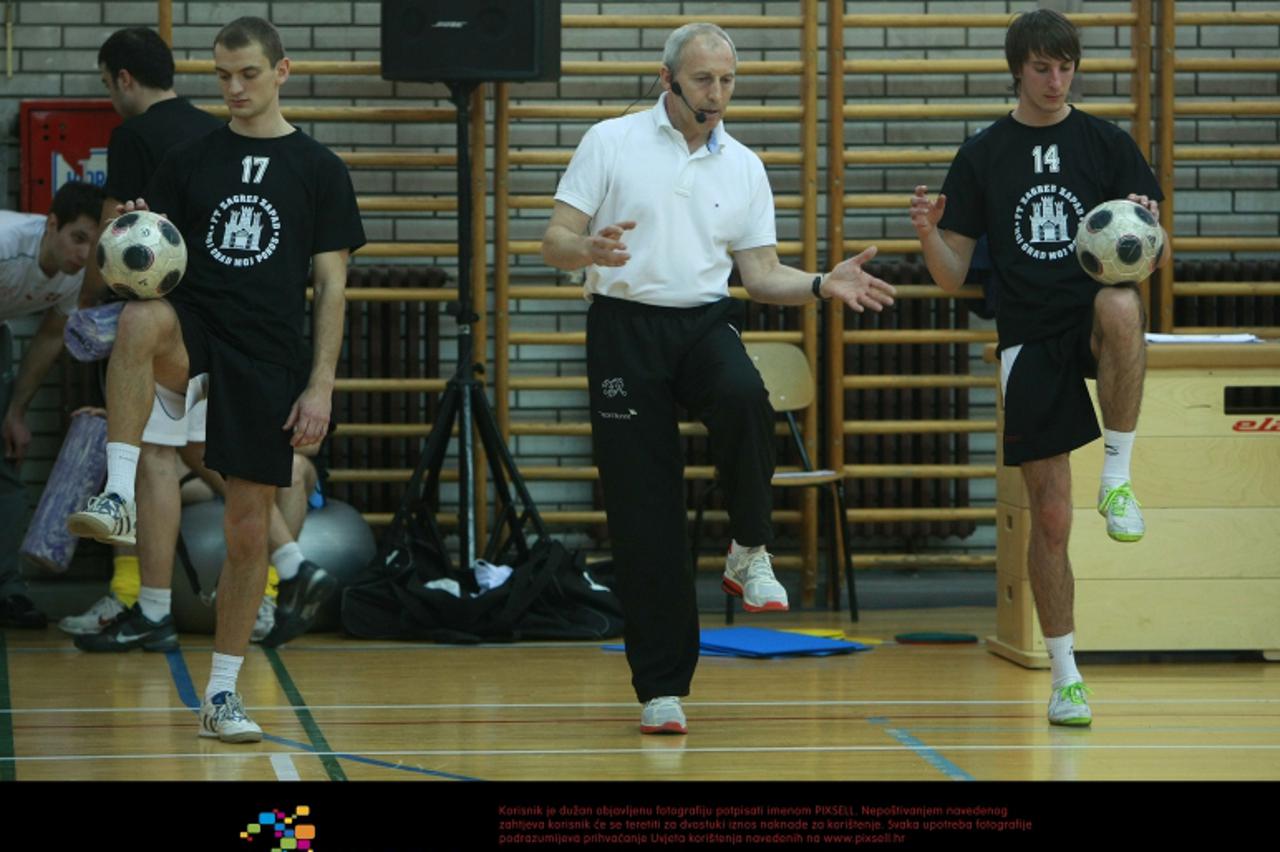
[{"x": 698, "y": 115}]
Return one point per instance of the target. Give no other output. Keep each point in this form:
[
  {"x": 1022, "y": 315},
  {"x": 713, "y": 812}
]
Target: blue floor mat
[{"x": 762, "y": 643}]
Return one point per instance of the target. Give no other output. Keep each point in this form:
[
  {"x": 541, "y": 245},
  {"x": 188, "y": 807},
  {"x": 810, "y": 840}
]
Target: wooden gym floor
[{"x": 336, "y": 708}]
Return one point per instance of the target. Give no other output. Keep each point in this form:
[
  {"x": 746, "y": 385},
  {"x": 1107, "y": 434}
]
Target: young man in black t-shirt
[
  {"x": 1026, "y": 182},
  {"x": 137, "y": 71},
  {"x": 259, "y": 204}
]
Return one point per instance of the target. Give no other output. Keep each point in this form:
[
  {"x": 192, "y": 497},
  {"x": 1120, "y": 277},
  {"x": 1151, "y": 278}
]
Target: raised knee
[
  {"x": 745, "y": 393},
  {"x": 1119, "y": 307},
  {"x": 144, "y": 321}
]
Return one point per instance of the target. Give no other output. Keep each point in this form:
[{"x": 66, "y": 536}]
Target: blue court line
[
  {"x": 187, "y": 694},
  {"x": 937, "y": 761},
  {"x": 371, "y": 761},
  {"x": 182, "y": 679}
]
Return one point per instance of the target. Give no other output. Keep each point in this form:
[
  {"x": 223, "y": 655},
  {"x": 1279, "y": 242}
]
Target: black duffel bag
[{"x": 549, "y": 595}]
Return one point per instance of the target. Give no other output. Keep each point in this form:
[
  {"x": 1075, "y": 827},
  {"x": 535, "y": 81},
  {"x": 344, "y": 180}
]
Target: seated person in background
[
  {"x": 128, "y": 601},
  {"x": 42, "y": 260}
]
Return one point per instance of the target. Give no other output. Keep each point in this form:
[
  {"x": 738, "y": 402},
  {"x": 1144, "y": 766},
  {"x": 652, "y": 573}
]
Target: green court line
[
  {"x": 318, "y": 742},
  {"x": 8, "y": 768}
]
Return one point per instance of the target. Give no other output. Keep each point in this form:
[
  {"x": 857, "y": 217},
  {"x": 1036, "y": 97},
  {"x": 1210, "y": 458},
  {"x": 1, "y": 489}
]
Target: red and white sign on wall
[{"x": 62, "y": 140}]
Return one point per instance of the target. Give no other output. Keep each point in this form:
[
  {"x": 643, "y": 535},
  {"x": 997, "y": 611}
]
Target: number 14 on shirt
[{"x": 1043, "y": 157}]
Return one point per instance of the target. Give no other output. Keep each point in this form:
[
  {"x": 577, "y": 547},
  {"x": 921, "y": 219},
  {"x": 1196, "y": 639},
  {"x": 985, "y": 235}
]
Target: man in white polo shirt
[{"x": 660, "y": 205}]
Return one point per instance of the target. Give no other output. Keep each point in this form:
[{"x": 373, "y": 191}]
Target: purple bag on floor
[
  {"x": 91, "y": 333},
  {"x": 77, "y": 475}
]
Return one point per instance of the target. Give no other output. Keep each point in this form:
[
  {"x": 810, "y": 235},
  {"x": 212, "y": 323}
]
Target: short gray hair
[{"x": 678, "y": 39}]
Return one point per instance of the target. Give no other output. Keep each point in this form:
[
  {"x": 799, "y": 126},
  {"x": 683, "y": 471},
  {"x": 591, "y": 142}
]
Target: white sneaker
[
  {"x": 663, "y": 715},
  {"x": 94, "y": 619},
  {"x": 1069, "y": 705},
  {"x": 1121, "y": 509},
  {"x": 750, "y": 576},
  {"x": 222, "y": 717},
  {"x": 108, "y": 518},
  {"x": 266, "y": 620}
]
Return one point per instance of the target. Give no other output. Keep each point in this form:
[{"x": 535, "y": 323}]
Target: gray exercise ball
[{"x": 334, "y": 537}]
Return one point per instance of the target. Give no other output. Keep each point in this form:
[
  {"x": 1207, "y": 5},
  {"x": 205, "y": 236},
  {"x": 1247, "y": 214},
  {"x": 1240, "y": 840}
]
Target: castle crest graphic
[
  {"x": 1045, "y": 221},
  {"x": 244, "y": 230}
]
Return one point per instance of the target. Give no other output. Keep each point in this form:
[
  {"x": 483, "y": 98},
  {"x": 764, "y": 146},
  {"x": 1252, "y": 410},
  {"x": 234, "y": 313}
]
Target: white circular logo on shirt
[
  {"x": 1045, "y": 221},
  {"x": 243, "y": 231}
]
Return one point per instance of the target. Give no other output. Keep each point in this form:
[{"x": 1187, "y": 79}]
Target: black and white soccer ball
[
  {"x": 1119, "y": 242},
  {"x": 141, "y": 255}
]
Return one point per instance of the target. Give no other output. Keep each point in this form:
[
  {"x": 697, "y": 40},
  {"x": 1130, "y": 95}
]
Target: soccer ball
[
  {"x": 141, "y": 255},
  {"x": 1119, "y": 242}
]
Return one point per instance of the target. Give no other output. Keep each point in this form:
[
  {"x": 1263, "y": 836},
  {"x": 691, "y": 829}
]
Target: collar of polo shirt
[{"x": 664, "y": 121}]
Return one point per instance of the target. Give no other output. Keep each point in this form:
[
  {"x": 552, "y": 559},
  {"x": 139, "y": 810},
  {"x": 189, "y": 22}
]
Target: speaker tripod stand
[{"x": 464, "y": 404}]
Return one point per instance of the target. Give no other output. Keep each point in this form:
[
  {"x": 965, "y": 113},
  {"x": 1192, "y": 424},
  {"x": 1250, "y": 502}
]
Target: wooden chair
[{"x": 791, "y": 388}]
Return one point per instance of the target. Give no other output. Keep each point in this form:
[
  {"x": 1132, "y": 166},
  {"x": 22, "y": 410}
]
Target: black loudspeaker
[{"x": 470, "y": 40}]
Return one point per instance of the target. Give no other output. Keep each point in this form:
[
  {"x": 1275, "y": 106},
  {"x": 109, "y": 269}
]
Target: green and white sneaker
[
  {"x": 1069, "y": 705},
  {"x": 1122, "y": 511},
  {"x": 222, "y": 717}
]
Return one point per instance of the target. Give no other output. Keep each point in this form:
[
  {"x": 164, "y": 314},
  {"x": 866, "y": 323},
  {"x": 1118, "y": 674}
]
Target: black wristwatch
[{"x": 817, "y": 289}]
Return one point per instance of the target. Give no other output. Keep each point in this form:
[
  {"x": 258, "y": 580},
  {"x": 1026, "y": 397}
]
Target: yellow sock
[
  {"x": 273, "y": 582},
  {"x": 126, "y": 579}
]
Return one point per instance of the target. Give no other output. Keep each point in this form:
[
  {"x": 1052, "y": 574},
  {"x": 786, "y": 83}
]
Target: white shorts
[{"x": 175, "y": 421}]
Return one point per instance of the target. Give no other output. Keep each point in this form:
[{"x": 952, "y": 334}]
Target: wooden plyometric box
[{"x": 1206, "y": 469}]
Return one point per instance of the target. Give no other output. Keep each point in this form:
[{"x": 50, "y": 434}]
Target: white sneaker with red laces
[
  {"x": 749, "y": 575},
  {"x": 94, "y": 619},
  {"x": 663, "y": 715}
]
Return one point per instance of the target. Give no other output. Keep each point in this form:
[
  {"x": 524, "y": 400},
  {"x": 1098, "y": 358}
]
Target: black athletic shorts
[
  {"x": 249, "y": 402},
  {"x": 1047, "y": 409}
]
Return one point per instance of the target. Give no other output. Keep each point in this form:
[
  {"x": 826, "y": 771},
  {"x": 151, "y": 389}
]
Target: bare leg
[
  {"x": 1121, "y": 351},
  {"x": 148, "y": 349},
  {"x": 245, "y": 574},
  {"x": 159, "y": 514},
  {"x": 1048, "y": 483},
  {"x": 207, "y": 484},
  {"x": 304, "y": 586},
  {"x": 292, "y": 501}
]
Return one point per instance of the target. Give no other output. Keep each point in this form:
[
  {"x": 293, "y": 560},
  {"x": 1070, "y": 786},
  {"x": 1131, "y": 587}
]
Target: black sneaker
[
  {"x": 299, "y": 601},
  {"x": 131, "y": 629},
  {"x": 19, "y": 611}
]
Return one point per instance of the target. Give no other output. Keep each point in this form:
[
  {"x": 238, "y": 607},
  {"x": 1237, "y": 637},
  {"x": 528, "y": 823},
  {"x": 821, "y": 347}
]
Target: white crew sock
[
  {"x": 122, "y": 469},
  {"x": 223, "y": 674},
  {"x": 1117, "y": 450},
  {"x": 1062, "y": 660},
  {"x": 155, "y": 603},
  {"x": 287, "y": 558},
  {"x": 736, "y": 548}
]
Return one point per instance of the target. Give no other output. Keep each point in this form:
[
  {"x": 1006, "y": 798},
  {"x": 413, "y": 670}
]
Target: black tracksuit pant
[{"x": 643, "y": 363}]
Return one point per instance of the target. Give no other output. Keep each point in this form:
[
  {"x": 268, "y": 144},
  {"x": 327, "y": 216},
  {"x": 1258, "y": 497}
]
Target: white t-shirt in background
[{"x": 24, "y": 288}]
